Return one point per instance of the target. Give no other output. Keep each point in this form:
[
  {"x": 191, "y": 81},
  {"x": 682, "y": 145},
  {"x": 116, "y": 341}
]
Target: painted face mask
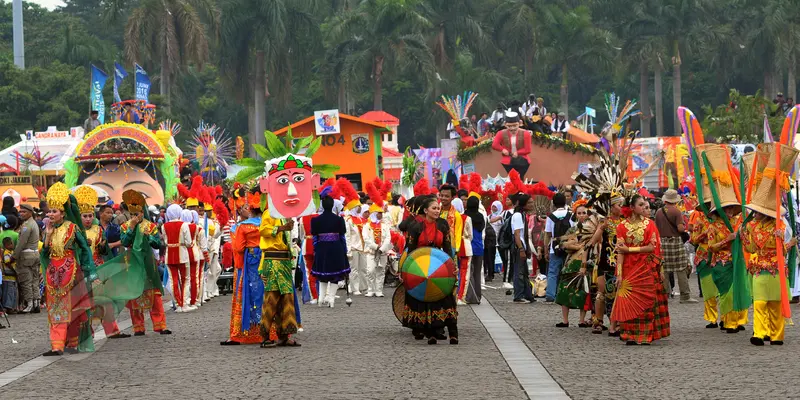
[{"x": 289, "y": 186}]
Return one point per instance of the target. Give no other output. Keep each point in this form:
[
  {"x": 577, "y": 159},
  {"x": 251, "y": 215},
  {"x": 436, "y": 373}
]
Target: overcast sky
[{"x": 49, "y": 4}]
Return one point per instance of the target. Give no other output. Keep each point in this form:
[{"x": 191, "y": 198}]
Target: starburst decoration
[{"x": 214, "y": 150}]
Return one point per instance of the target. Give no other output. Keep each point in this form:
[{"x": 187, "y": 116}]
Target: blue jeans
[{"x": 553, "y": 269}]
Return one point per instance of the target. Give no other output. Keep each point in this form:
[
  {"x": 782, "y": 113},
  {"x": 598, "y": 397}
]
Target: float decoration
[
  {"x": 466, "y": 154},
  {"x": 214, "y": 150}
]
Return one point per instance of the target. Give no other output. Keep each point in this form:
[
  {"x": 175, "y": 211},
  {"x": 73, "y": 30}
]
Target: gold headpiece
[
  {"x": 134, "y": 200},
  {"x": 57, "y": 196},
  {"x": 87, "y": 198}
]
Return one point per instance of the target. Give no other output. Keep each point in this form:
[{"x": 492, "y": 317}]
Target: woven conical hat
[
  {"x": 718, "y": 160},
  {"x": 763, "y": 200},
  {"x": 749, "y": 159},
  {"x": 701, "y": 180}
]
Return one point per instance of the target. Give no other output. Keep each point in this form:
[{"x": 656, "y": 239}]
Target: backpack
[
  {"x": 505, "y": 237},
  {"x": 560, "y": 228}
]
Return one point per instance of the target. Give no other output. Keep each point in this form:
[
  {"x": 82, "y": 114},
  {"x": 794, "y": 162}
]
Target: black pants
[
  {"x": 488, "y": 260},
  {"x": 521, "y": 169},
  {"x": 504, "y": 253}
]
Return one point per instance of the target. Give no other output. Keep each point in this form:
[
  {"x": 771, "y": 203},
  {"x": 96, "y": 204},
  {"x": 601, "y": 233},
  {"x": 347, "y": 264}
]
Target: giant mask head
[{"x": 289, "y": 186}]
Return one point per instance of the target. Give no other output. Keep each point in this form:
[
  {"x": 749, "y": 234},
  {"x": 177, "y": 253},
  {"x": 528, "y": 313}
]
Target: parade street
[{"x": 362, "y": 352}]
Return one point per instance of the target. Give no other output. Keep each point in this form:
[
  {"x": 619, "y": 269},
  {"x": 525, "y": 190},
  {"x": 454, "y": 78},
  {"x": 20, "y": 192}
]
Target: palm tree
[
  {"x": 454, "y": 24},
  {"x": 172, "y": 34},
  {"x": 383, "y": 34},
  {"x": 260, "y": 43},
  {"x": 519, "y": 30},
  {"x": 572, "y": 39}
]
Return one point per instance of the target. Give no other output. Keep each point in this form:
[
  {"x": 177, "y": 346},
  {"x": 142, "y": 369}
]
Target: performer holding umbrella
[{"x": 429, "y": 308}]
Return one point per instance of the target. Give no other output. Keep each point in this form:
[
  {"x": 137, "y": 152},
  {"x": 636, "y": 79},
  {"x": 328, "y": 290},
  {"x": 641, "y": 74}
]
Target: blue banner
[
  {"x": 142, "y": 84},
  {"x": 96, "y": 93},
  {"x": 119, "y": 75}
]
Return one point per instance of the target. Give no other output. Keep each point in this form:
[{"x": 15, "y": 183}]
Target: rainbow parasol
[{"x": 429, "y": 274}]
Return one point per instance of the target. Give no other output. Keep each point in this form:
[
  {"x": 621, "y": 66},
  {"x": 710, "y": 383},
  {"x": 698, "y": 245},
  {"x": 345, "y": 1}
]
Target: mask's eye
[
  {"x": 283, "y": 180},
  {"x": 299, "y": 178}
]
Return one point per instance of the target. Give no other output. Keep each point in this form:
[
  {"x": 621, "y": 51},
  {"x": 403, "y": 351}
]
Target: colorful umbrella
[{"x": 429, "y": 274}]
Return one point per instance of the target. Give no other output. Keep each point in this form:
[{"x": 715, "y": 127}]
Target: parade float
[{"x": 127, "y": 154}]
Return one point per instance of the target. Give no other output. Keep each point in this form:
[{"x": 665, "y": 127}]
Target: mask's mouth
[{"x": 291, "y": 202}]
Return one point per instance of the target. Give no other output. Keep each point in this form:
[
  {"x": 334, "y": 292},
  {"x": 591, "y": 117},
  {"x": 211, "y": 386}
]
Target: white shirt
[
  {"x": 559, "y": 126},
  {"x": 549, "y": 226},
  {"x": 496, "y": 116},
  {"x": 518, "y": 224}
]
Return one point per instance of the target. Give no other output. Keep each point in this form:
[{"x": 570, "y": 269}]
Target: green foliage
[
  {"x": 745, "y": 122},
  {"x": 325, "y": 54}
]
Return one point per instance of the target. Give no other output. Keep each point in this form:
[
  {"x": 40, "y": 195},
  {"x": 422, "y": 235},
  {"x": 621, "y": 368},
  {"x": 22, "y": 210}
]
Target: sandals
[
  {"x": 584, "y": 325},
  {"x": 597, "y": 329},
  {"x": 53, "y": 353},
  {"x": 229, "y": 343},
  {"x": 453, "y": 340},
  {"x": 562, "y": 325},
  {"x": 289, "y": 343},
  {"x": 268, "y": 344},
  {"x": 165, "y": 332},
  {"x": 119, "y": 336}
]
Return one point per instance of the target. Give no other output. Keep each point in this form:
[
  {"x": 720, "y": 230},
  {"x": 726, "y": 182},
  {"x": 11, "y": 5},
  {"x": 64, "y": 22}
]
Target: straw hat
[
  {"x": 700, "y": 149},
  {"x": 719, "y": 160},
  {"x": 764, "y": 193},
  {"x": 749, "y": 159}
]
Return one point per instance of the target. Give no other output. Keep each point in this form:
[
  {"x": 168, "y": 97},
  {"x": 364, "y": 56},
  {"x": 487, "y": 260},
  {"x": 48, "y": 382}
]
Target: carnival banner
[
  {"x": 142, "y": 84},
  {"x": 119, "y": 75},
  {"x": 96, "y": 93}
]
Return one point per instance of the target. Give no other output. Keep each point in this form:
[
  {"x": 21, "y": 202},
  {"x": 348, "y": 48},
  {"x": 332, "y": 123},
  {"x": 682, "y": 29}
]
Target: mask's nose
[{"x": 292, "y": 191}]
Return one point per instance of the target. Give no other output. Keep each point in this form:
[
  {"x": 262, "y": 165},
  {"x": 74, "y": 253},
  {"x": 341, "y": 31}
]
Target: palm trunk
[
  {"x": 564, "y": 91},
  {"x": 659, "y": 101},
  {"x": 644, "y": 96},
  {"x": 768, "y": 84},
  {"x": 341, "y": 99},
  {"x": 377, "y": 80},
  {"x": 676, "y": 86},
  {"x": 251, "y": 128},
  {"x": 164, "y": 85},
  {"x": 259, "y": 99}
]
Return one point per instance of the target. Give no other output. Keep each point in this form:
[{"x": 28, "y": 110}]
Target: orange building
[{"x": 356, "y": 149}]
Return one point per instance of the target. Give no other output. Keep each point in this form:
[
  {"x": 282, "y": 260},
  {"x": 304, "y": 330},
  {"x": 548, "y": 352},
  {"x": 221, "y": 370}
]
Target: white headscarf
[
  {"x": 338, "y": 206},
  {"x": 374, "y": 218},
  {"x": 174, "y": 212},
  {"x": 458, "y": 205},
  {"x": 499, "y": 206},
  {"x": 186, "y": 216},
  {"x": 356, "y": 211},
  {"x": 195, "y": 217}
]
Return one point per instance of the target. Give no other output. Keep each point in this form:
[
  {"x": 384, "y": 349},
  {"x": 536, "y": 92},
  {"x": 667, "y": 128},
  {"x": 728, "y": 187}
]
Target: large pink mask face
[{"x": 290, "y": 192}]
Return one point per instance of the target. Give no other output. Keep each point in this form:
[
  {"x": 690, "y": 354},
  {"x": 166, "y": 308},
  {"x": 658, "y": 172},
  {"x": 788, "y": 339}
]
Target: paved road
[
  {"x": 362, "y": 353},
  {"x": 693, "y": 363}
]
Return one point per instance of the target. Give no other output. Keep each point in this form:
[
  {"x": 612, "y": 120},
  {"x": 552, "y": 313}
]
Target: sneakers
[
  {"x": 376, "y": 295},
  {"x": 357, "y": 293},
  {"x": 189, "y": 308},
  {"x": 460, "y": 303},
  {"x": 689, "y": 301},
  {"x": 521, "y": 301},
  {"x": 507, "y": 285},
  {"x": 27, "y": 308},
  {"x": 369, "y": 294}
]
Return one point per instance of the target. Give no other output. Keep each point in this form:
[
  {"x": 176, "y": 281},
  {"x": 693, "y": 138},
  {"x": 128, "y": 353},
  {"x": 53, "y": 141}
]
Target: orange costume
[{"x": 248, "y": 288}]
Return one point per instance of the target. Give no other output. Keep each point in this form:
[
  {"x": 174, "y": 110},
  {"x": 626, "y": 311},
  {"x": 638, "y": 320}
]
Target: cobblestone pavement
[
  {"x": 360, "y": 352},
  {"x": 693, "y": 363}
]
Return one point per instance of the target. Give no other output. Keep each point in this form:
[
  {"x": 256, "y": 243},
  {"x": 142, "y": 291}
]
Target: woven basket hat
[
  {"x": 748, "y": 159},
  {"x": 701, "y": 181},
  {"x": 763, "y": 200},
  {"x": 719, "y": 159}
]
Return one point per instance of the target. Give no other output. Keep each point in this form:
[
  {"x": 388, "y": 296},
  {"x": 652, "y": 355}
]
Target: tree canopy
[{"x": 400, "y": 55}]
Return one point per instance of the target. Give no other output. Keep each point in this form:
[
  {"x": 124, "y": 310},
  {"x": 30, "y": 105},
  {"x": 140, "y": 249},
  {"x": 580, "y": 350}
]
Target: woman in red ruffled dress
[{"x": 641, "y": 303}]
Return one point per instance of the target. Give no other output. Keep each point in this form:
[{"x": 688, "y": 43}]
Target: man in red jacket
[{"x": 514, "y": 144}]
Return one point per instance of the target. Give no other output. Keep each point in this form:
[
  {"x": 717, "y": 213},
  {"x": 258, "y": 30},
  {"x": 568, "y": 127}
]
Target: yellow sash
[{"x": 456, "y": 224}]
